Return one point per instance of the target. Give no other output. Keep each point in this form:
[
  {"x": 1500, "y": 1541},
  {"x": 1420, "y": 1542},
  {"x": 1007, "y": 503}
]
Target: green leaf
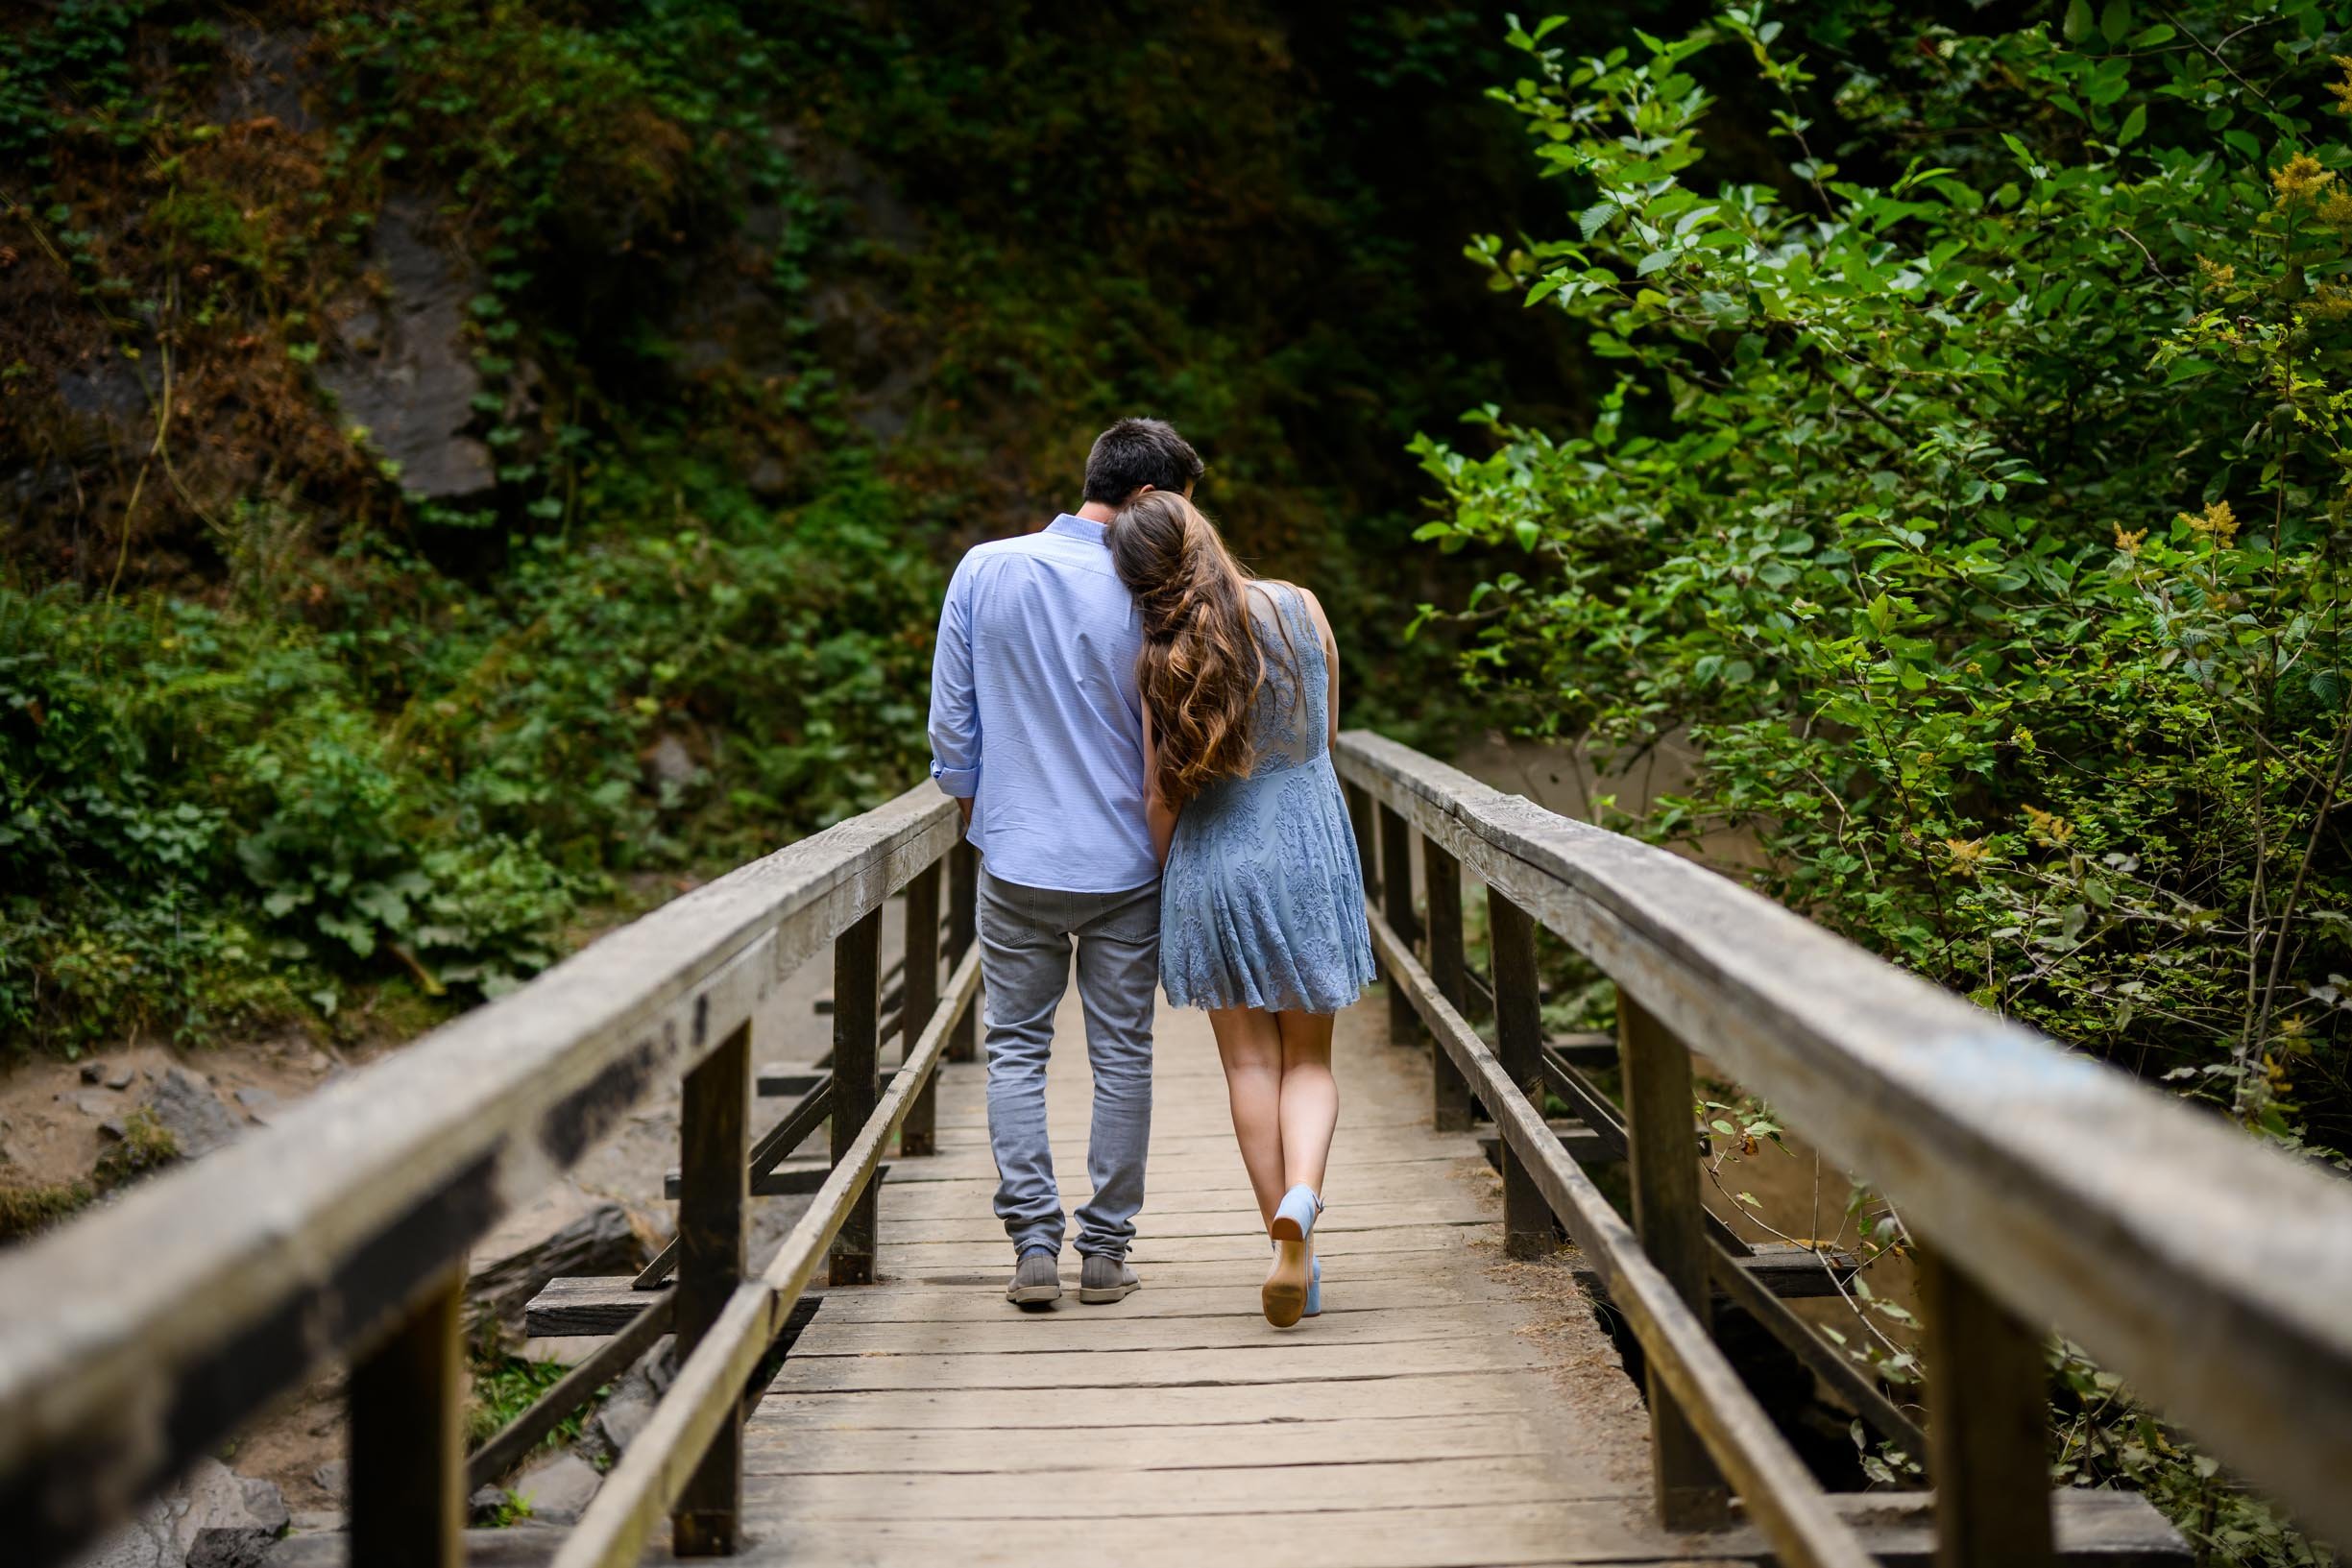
[
  {"x": 2115, "y": 21},
  {"x": 2078, "y": 24},
  {"x": 2134, "y": 124}
]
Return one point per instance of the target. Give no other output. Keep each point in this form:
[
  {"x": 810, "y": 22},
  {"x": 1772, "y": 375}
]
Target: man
[{"x": 1037, "y": 729}]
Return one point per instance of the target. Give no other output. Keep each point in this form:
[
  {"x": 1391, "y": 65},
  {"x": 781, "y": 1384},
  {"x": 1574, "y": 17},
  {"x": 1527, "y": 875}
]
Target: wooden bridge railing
[
  {"x": 2041, "y": 1189},
  {"x": 136, "y": 1339},
  {"x": 2212, "y": 1274}
]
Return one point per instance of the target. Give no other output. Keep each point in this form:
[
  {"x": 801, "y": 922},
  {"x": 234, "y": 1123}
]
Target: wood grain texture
[
  {"x": 1771, "y": 1482},
  {"x": 709, "y": 1384},
  {"x": 920, "y": 993},
  {"x": 1397, "y": 898},
  {"x": 2208, "y": 1271},
  {"x": 856, "y": 1012},
  {"x": 260, "y": 1265},
  {"x": 1449, "y": 1098},
  {"x": 1518, "y": 1045},
  {"x": 1668, "y": 1218},
  {"x": 1988, "y": 1423},
  {"x": 923, "y": 1419},
  {"x": 714, "y": 1141},
  {"x": 407, "y": 1404}
]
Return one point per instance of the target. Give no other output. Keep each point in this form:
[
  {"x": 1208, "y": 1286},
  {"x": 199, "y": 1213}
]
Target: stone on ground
[
  {"x": 185, "y": 1106},
  {"x": 558, "y": 1487},
  {"x": 214, "y": 1519}
]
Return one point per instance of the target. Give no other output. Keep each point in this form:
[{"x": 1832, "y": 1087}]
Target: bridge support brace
[
  {"x": 714, "y": 1199},
  {"x": 962, "y": 925},
  {"x": 1518, "y": 1045},
  {"x": 1449, "y": 1093},
  {"x": 408, "y": 1463},
  {"x": 1397, "y": 902},
  {"x": 857, "y": 1042},
  {"x": 1671, "y": 1221},
  {"x": 919, "y": 1134},
  {"x": 1988, "y": 1424}
]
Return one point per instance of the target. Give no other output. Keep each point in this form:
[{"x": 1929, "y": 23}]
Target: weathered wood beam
[
  {"x": 259, "y": 1265},
  {"x": 1669, "y": 1219},
  {"x": 2209, "y": 1271},
  {"x": 650, "y": 1475},
  {"x": 1397, "y": 898},
  {"x": 1778, "y": 1492},
  {"x": 856, "y": 1085},
  {"x": 1449, "y": 1098},
  {"x": 1518, "y": 1047},
  {"x": 714, "y": 1210},
  {"x": 920, "y": 993},
  {"x": 409, "y": 1415}
]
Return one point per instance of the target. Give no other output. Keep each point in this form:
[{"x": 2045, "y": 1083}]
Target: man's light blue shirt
[{"x": 1035, "y": 714}]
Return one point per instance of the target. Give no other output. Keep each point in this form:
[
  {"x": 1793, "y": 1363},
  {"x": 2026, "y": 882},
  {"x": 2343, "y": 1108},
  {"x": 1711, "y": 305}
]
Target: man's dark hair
[{"x": 1133, "y": 453}]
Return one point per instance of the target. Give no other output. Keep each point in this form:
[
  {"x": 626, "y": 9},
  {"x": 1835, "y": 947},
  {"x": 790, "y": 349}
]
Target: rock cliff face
[{"x": 401, "y": 371}]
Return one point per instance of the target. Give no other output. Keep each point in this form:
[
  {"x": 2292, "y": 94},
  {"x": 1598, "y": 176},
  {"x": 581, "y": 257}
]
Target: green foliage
[
  {"x": 71, "y": 70},
  {"x": 1975, "y": 498},
  {"x": 145, "y": 1147},
  {"x": 278, "y": 734},
  {"x": 504, "y": 1386},
  {"x": 27, "y": 1211},
  {"x": 205, "y": 816},
  {"x": 1920, "y": 501}
]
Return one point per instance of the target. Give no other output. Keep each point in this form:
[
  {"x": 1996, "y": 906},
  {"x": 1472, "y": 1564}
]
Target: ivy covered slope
[
  {"x": 1973, "y": 486},
  {"x": 465, "y": 464}
]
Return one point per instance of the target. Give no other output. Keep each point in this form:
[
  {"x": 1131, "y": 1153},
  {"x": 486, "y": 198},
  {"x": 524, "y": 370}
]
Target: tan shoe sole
[{"x": 1285, "y": 1295}]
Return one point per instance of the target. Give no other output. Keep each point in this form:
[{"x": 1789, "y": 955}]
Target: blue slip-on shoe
[
  {"x": 1314, "y": 1292},
  {"x": 1295, "y": 1217}
]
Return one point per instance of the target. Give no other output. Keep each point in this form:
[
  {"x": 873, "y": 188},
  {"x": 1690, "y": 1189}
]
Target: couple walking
[{"x": 1139, "y": 735}]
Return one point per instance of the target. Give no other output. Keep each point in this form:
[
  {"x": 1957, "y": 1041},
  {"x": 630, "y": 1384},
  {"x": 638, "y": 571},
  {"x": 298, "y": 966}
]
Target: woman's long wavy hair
[{"x": 1201, "y": 666}]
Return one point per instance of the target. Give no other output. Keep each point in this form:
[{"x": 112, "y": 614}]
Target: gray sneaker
[
  {"x": 1037, "y": 1282},
  {"x": 1106, "y": 1279}
]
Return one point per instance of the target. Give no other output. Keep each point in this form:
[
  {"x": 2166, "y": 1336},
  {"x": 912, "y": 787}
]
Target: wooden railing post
[
  {"x": 1671, "y": 1223},
  {"x": 1518, "y": 1045},
  {"x": 714, "y": 1203},
  {"x": 1368, "y": 843},
  {"x": 1396, "y": 903},
  {"x": 408, "y": 1447},
  {"x": 1449, "y": 1093},
  {"x": 1988, "y": 1424},
  {"x": 857, "y": 1023},
  {"x": 920, "y": 997},
  {"x": 962, "y": 925}
]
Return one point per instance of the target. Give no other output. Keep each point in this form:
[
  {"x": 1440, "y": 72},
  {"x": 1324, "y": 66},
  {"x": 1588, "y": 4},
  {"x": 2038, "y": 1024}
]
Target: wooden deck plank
[
  {"x": 823, "y": 1451},
  {"x": 1419, "y": 1422}
]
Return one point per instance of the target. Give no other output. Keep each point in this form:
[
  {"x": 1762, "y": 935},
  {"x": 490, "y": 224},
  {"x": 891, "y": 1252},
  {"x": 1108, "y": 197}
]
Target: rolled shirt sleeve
[{"x": 955, "y": 704}]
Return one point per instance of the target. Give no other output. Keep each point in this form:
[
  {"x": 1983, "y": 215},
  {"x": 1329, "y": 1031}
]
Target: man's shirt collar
[{"x": 1076, "y": 527}]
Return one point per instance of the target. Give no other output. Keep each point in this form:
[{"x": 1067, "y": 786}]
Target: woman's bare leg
[
  {"x": 1310, "y": 1098},
  {"x": 1251, "y": 1046}
]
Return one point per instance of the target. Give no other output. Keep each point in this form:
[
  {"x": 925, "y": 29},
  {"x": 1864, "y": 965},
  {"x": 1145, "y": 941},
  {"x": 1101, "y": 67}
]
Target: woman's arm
[
  {"x": 1158, "y": 815},
  {"x": 1331, "y": 660}
]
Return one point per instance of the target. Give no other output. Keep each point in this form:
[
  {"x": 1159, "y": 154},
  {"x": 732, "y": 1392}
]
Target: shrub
[{"x": 1973, "y": 490}]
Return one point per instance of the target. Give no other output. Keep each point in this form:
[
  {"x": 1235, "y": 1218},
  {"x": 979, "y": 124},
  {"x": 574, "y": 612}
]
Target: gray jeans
[{"x": 1026, "y": 935}]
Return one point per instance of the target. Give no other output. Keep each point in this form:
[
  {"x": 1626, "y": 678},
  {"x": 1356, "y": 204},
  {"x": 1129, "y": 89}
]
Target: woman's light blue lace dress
[{"x": 1261, "y": 904}]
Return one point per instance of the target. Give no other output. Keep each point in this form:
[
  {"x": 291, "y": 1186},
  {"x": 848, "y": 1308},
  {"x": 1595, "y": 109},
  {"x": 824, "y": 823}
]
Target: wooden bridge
[{"x": 1458, "y": 1404}]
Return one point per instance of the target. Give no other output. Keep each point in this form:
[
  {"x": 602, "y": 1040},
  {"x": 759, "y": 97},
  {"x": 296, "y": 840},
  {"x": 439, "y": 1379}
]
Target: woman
[{"x": 1262, "y": 902}]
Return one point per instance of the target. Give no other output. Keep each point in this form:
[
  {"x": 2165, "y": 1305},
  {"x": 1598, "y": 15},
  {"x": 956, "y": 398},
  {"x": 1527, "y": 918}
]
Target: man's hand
[{"x": 963, "y": 804}]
